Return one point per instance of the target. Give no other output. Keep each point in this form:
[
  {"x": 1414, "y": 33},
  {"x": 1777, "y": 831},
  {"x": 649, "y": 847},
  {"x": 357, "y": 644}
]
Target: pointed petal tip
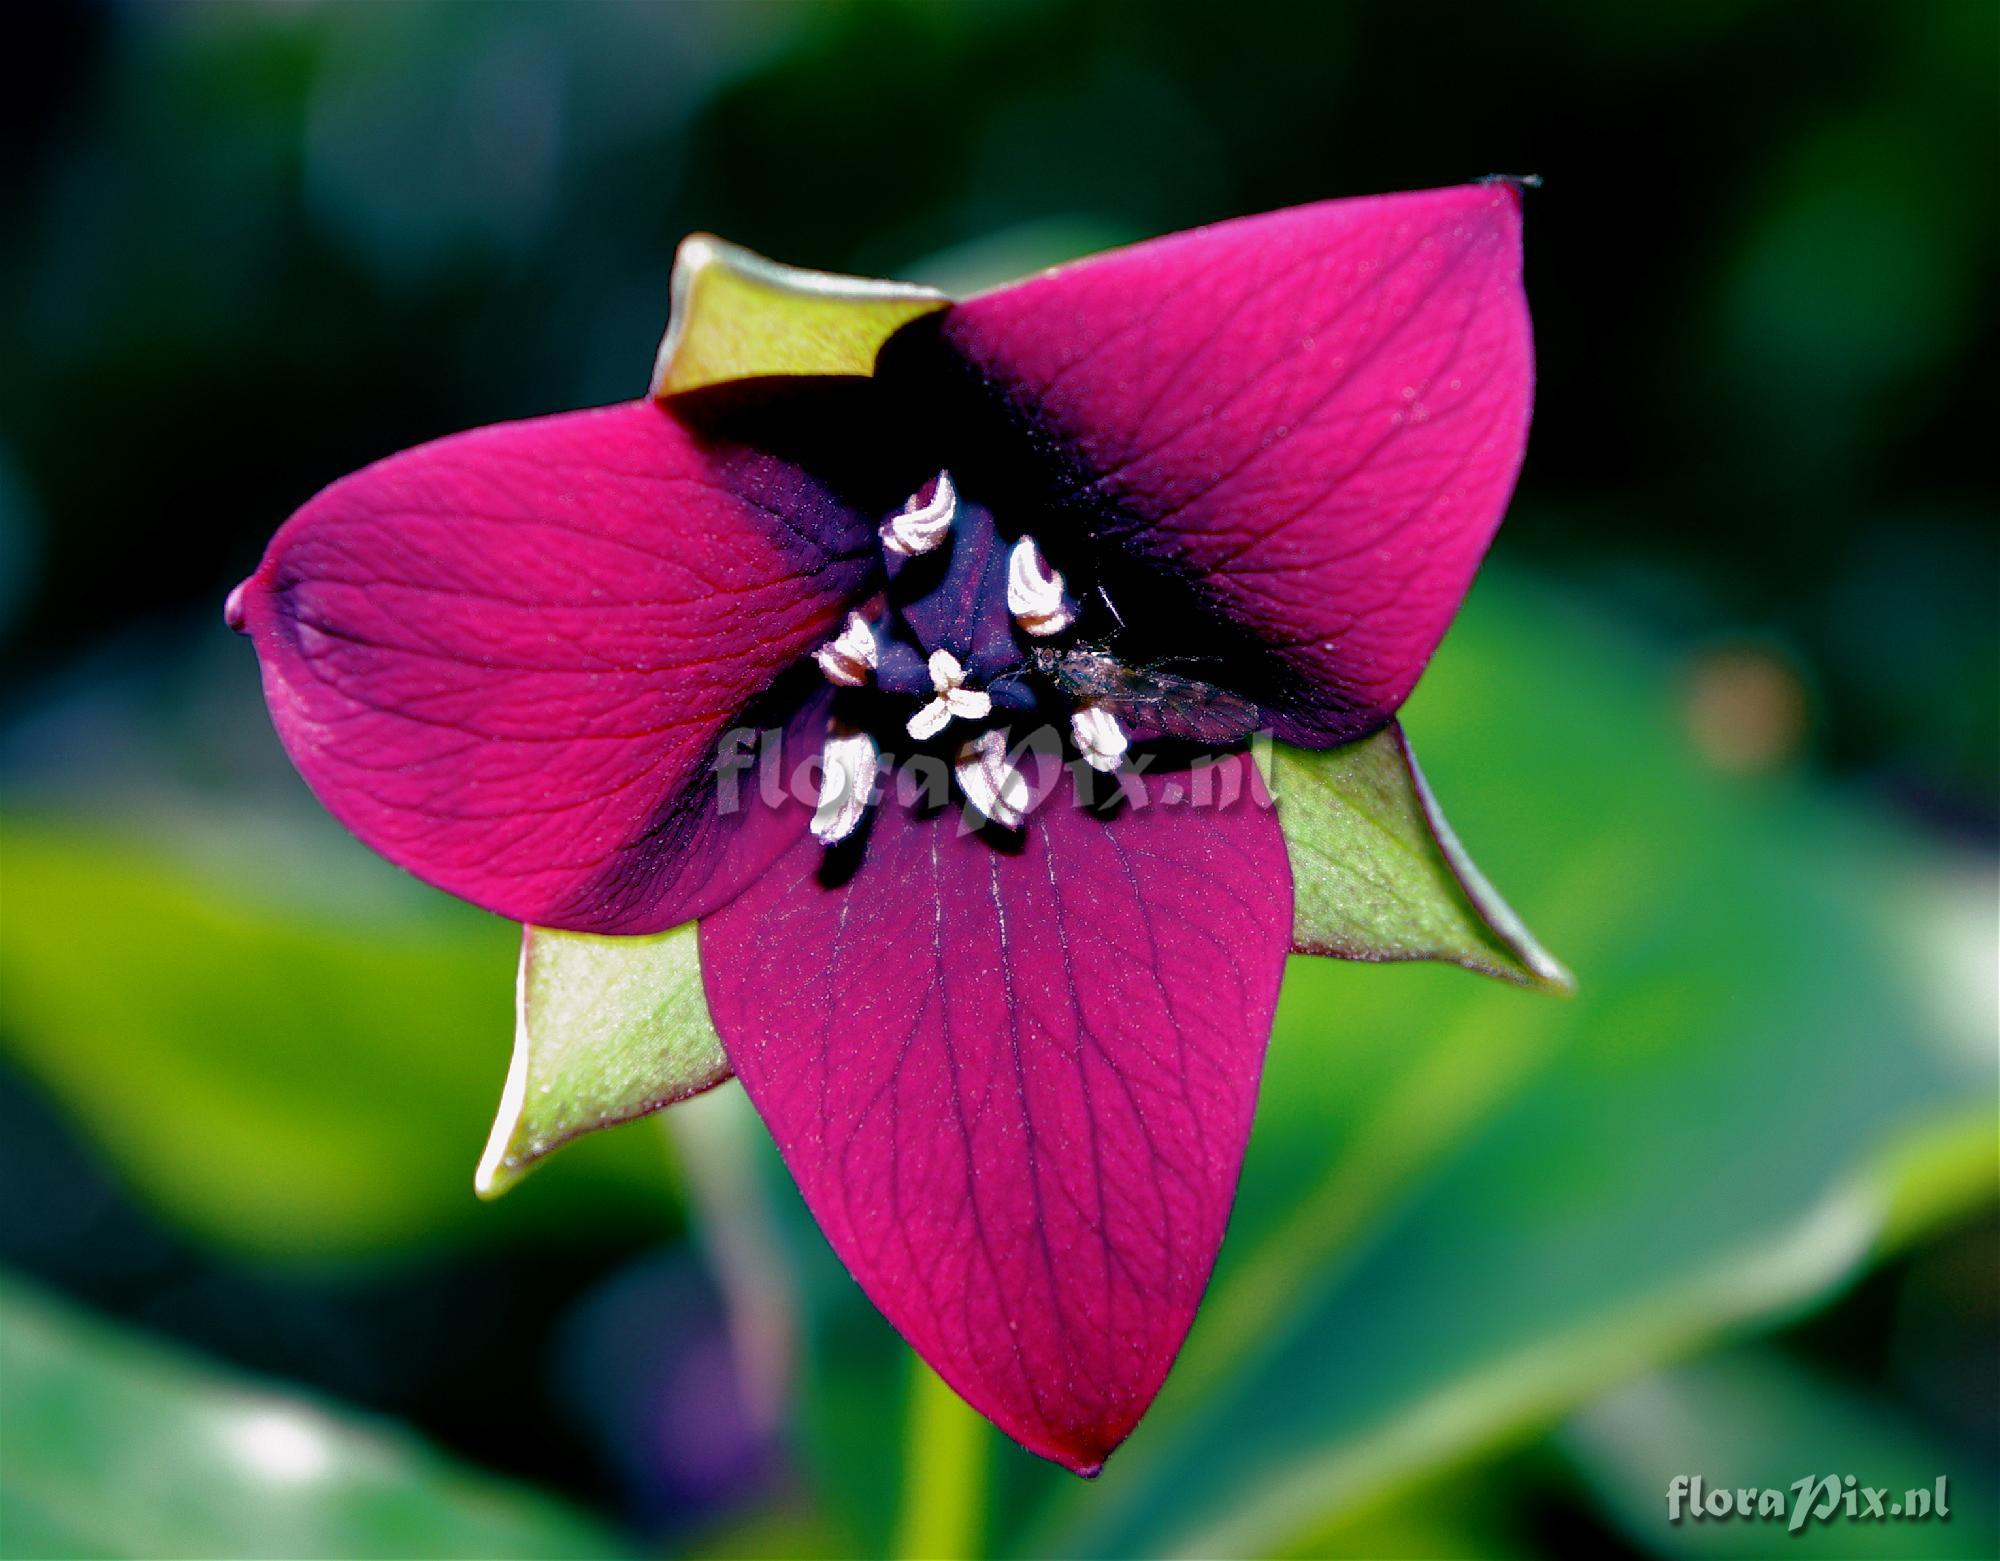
[
  {"x": 489, "y": 1182},
  {"x": 699, "y": 249},
  {"x": 1515, "y": 184},
  {"x": 1538, "y": 971},
  {"x": 1552, "y": 975},
  {"x": 499, "y": 1166},
  {"x": 1081, "y": 1451},
  {"x": 234, "y": 614},
  {"x": 503, "y": 1163}
]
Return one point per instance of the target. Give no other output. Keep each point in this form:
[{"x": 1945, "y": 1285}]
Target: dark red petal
[
  {"x": 1314, "y": 416},
  {"x": 1014, "y": 1084},
  {"x": 504, "y": 659}
]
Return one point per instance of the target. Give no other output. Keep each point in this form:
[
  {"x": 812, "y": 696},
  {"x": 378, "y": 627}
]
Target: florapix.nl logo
[{"x": 1813, "y": 1498}]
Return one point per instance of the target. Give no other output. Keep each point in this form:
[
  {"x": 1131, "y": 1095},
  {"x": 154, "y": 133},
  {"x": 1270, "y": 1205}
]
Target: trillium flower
[{"x": 910, "y": 650}]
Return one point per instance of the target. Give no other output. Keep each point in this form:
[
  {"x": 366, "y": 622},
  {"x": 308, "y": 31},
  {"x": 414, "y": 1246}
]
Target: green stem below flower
[{"x": 945, "y": 1452}]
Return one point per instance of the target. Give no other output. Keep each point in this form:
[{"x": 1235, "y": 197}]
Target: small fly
[{"x": 1149, "y": 700}]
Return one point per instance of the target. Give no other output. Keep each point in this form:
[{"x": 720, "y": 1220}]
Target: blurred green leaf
[
  {"x": 995, "y": 259},
  {"x": 1469, "y": 1515},
  {"x": 608, "y": 1029},
  {"x": 301, "y": 1084},
  {"x": 1851, "y": 279},
  {"x": 1377, "y": 873},
  {"x": 115, "y": 1447},
  {"x": 1751, "y": 1420},
  {"x": 1464, "y": 1209}
]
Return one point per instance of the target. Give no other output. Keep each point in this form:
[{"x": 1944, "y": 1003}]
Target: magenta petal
[
  {"x": 1014, "y": 1085},
  {"x": 504, "y": 659},
  {"x": 1314, "y": 416}
]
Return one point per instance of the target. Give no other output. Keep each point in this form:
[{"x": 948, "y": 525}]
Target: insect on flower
[
  {"x": 1012, "y": 1068},
  {"x": 1149, "y": 699}
]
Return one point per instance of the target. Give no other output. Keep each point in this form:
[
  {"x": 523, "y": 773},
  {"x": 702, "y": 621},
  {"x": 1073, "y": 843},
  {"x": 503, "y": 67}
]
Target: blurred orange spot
[{"x": 1745, "y": 709}]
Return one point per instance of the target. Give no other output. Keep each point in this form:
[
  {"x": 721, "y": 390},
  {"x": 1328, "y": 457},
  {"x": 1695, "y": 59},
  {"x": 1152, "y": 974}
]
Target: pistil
[{"x": 953, "y": 699}]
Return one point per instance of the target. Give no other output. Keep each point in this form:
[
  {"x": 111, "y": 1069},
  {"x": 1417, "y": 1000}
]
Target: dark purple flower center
[{"x": 971, "y": 651}]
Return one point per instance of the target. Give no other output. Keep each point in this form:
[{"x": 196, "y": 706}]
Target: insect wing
[
  {"x": 1193, "y": 711},
  {"x": 1152, "y": 703}
]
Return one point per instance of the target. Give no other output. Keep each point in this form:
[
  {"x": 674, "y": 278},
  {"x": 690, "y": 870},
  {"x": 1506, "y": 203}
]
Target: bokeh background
[{"x": 1721, "y": 717}]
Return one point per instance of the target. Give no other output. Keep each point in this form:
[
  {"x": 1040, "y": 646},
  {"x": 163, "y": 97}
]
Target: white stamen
[
  {"x": 848, "y": 659},
  {"x": 1035, "y": 591},
  {"x": 846, "y": 782},
  {"x": 1099, "y": 737},
  {"x": 992, "y": 784},
  {"x": 945, "y": 671},
  {"x": 917, "y": 531},
  {"x": 953, "y": 698},
  {"x": 929, "y": 721}
]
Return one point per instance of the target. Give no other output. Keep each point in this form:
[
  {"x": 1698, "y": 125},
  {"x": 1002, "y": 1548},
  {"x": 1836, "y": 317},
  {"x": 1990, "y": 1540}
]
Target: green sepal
[
  {"x": 736, "y": 315},
  {"x": 605, "y": 1030},
  {"x": 1377, "y": 873}
]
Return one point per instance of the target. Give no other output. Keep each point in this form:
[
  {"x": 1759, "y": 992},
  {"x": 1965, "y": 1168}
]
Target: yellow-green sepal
[
  {"x": 1378, "y": 874},
  {"x": 738, "y": 316},
  {"x": 605, "y": 1030}
]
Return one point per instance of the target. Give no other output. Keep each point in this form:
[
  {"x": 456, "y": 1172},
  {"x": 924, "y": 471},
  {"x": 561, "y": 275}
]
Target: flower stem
[
  {"x": 713, "y": 1139},
  {"x": 944, "y": 1473}
]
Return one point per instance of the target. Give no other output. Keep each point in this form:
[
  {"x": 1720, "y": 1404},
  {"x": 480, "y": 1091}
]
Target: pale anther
[
  {"x": 846, "y": 783},
  {"x": 1099, "y": 737},
  {"x": 848, "y": 659},
  {"x": 953, "y": 698},
  {"x": 915, "y": 531},
  {"x": 990, "y": 782},
  {"x": 1035, "y": 593}
]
